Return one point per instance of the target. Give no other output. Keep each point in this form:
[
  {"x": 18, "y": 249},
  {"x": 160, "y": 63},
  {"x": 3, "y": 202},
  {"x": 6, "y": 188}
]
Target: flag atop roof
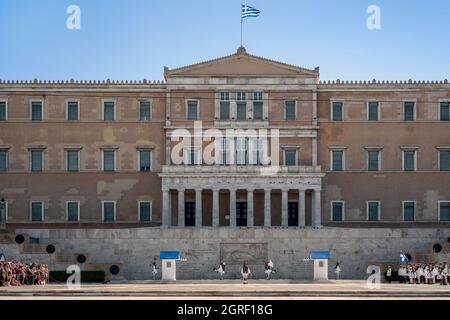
[{"x": 248, "y": 11}]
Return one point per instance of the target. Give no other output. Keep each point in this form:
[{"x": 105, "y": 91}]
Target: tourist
[{"x": 15, "y": 273}]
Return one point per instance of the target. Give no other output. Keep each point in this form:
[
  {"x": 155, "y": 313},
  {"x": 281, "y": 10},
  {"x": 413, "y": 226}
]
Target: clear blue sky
[{"x": 134, "y": 39}]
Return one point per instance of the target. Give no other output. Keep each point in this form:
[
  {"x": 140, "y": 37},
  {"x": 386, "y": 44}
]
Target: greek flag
[
  {"x": 248, "y": 11},
  {"x": 403, "y": 258}
]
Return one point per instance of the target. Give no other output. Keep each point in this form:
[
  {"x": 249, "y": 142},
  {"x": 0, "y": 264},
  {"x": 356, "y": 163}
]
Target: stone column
[
  {"x": 215, "y": 208},
  {"x": 232, "y": 207},
  {"x": 284, "y": 208},
  {"x": 250, "y": 211},
  {"x": 314, "y": 151},
  {"x": 317, "y": 218},
  {"x": 165, "y": 219},
  {"x": 267, "y": 217},
  {"x": 181, "y": 208},
  {"x": 198, "y": 207},
  {"x": 301, "y": 208}
]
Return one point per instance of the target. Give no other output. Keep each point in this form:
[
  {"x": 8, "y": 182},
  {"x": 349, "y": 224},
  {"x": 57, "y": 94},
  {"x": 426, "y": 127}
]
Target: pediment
[{"x": 241, "y": 64}]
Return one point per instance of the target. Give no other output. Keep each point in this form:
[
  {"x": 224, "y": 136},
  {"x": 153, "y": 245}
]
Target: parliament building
[{"x": 110, "y": 155}]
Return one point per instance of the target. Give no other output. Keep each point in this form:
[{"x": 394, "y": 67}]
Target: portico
[{"x": 240, "y": 185}]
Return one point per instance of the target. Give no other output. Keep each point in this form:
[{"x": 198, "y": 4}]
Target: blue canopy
[
  {"x": 172, "y": 255},
  {"x": 319, "y": 255}
]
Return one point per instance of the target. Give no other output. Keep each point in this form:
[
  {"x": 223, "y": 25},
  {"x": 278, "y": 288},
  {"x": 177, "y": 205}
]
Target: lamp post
[{"x": 2, "y": 214}]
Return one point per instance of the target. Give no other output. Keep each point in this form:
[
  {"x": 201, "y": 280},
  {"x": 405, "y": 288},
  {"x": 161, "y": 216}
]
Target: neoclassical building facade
[{"x": 238, "y": 141}]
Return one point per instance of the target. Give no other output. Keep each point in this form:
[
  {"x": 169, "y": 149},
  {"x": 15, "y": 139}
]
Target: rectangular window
[
  {"x": 109, "y": 211},
  {"x": 241, "y": 106},
  {"x": 3, "y": 160},
  {"x": 257, "y": 105},
  {"x": 409, "y": 160},
  {"x": 444, "y": 211},
  {"x": 337, "y": 110},
  {"x": 109, "y": 160},
  {"x": 109, "y": 111},
  {"x": 73, "y": 211},
  {"x": 72, "y": 111},
  {"x": 290, "y": 157},
  {"x": 73, "y": 163},
  {"x": 373, "y": 110},
  {"x": 409, "y": 111},
  {"x": 289, "y": 110},
  {"x": 145, "y": 110},
  {"x": 444, "y": 160},
  {"x": 222, "y": 151},
  {"x": 224, "y": 106},
  {"x": 444, "y": 112},
  {"x": 409, "y": 210},
  {"x": 37, "y": 211},
  {"x": 191, "y": 156},
  {"x": 241, "y": 151},
  {"x": 192, "y": 110},
  {"x": 37, "y": 162},
  {"x": 36, "y": 111},
  {"x": 373, "y": 160},
  {"x": 3, "y": 111},
  {"x": 337, "y": 211},
  {"x": 337, "y": 163},
  {"x": 373, "y": 210},
  {"x": 145, "y": 160},
  {"x": 257, "y": 150},
  {"x": 145, "y": 211}
]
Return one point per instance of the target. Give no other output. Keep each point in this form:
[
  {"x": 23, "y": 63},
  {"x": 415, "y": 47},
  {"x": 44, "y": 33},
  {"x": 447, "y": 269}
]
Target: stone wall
[{"x": 134, "y": 249}]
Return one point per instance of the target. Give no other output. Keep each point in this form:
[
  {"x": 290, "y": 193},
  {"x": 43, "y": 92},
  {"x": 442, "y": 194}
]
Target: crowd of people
[
  {"x": 16, "y": 273},
  {"x": 415, "y": 273}
]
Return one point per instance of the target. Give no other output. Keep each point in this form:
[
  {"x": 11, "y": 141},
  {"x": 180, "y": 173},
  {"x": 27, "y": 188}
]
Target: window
[
  {"x": 290, "y": 157},
  {"x": 409, "y": 210},
  {"x": 145, "y": 211},
  {"x": 241, "y": 106},
  {"x": 37, "y": 160},
  {"x": 109, "y": 211},
  {"x": 444, "y": 210},
  {"x": 192, "y": 109},
  {"x": 145, "y": 160},
  {"x": 257, "y": 105},
  {"x": 145, "y": 110},
  {"x": 444, "y": 160},
  {"x": 109, "y": 160},
  {"x": 109, "y": 110},
  {"x": 224, "y": 106},
  {"x": 337, "y": 160},
  {"x": 241, "y": 151},
  {"x": 373, "y": 210},
  {"x": 222, "y": 151},
  {"x": 73, "y": 163},
  {"x": 337, "y": 210},
  {"x": 373, "y": 160},
  {"x": 409, "y": 111},
  {"x": 37, "y": 211},
  {"x": 3, "y": 111},
  {"x": 409, "y": 160},
  {"x": 289, "y": 110},
  {"x": 373, "y": 110},
  {"x": 444, "y": 111},
  {"x": 337, "y": 110},
  {"x": 257, "y": 151},
  {"x": 37, "y": 111},
  {"x": 73, "y": 211},
  {"x": 73, "y": 113},
  {"x": 3, "y": 160},
  {"x": 191, "y": 156}
]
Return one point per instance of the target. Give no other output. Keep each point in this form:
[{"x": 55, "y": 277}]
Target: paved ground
[{"x": 256, "y": 289}]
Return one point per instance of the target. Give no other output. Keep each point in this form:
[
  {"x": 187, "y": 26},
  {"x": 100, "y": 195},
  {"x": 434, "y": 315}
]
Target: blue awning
[
  {"x": 319, "y": 255},
  {"x": 172, "y": 255}
]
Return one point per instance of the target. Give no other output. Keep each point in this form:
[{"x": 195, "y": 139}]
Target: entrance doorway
[
  {"x": 292, "y": 214},
  {"x": 189, "y": 214},
  {"x": 241, "y": 214}
]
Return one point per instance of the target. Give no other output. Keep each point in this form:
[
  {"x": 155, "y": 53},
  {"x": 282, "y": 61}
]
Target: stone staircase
[{"x": 57, "y": 261}]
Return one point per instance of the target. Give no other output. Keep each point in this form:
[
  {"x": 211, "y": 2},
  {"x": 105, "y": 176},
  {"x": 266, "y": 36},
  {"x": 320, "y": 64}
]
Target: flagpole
[{"x": 241, "y": 24}]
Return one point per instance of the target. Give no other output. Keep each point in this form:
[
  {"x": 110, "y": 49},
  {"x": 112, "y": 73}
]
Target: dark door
[
  {"x": 241, "y": 214},
  {"x": 189, "y": 214},
  {"x": 292, "y": 214}
]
